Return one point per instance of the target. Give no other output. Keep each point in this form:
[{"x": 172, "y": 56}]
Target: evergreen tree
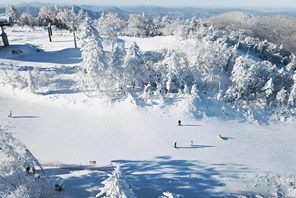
[
  {"x": 94, "y": 61},
  {"x": 11, "y": 12},
  {"x": 268, "y": 88},
  {"x": 281, "y": 97},
  {"x": 240, "y": 80},
  {"x": 115, "y": 186},
  {"x": 134, "y": 66},
  {"x": 292, "y": 96}
]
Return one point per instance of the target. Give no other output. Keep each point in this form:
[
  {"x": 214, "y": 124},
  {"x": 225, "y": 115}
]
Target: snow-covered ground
[{"x": 71, "y": 128}]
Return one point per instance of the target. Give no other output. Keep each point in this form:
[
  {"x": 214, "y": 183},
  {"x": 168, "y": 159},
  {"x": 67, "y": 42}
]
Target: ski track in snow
[{"x": 74, "y": 129}]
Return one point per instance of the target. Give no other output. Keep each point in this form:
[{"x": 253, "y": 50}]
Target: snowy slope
[{"x": 75, "y": 129}]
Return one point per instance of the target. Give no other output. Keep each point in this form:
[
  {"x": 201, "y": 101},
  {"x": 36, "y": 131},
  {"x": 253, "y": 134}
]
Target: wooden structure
[{"x": 4, "y": 21}]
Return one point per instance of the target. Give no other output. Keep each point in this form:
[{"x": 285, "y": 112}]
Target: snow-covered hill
[
  {"x": 58, "y": 122},
  {"x": 277, "y": 28}
]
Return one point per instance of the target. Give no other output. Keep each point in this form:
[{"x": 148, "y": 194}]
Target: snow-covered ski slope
[{"x": 69, "y": 127}]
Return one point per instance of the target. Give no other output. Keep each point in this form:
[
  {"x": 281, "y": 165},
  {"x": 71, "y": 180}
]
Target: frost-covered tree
[
  {"x": 114, "y": 75},
  {"x": 94, "y": 61},
  {"x": 16, "y": 170},
  {"x": 208, "y": 61},
  {"x": 11, "y": 12},
  {"x": 268, "y": 88},
  {"x": 281, "y": 97},
  {"x": 111, "y": 26},
  {"x": 249, "y": 79},
  {"x": 135, "y": 70},
  {"x": 115, "y": 186},
  {"x": 117, "y": 59},
  {"x": 47, "y": 15},
  {"x": 240, "y": 79},
  {"x": 26, "y": 19},
  {"x": 18, "y": 192},
  {"x": 136, "y": 25},
  {"x": 174, "y": 71},
  {"x": 292, "y": 96},
  {"x": 69, "y": 19}
]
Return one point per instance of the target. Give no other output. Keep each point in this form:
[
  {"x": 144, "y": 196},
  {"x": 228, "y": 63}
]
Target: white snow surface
[{"x": 75, "y": 129}]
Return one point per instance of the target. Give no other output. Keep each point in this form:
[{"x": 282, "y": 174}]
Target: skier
[
  {"x": 179, "y": 123},
  {"x": 221, "y": 137},
  {"x": 191, "y": 143},
  {"x": 10, "y": 114},
  {"x": 175, "y": 145}
]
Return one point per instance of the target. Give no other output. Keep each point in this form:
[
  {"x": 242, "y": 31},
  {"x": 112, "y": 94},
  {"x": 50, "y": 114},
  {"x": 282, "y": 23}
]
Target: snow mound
[
  {"x": 19, "y": 51},
  {"x": 269, "y": 186}
]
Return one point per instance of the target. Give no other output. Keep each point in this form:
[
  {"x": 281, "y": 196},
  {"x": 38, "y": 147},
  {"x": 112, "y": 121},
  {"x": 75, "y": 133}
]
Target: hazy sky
[{"x": 177, "y": 3}]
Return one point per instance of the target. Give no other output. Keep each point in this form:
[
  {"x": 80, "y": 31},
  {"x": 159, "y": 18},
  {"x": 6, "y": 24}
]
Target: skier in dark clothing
[
  {"x": 179, "y": 123},
  {"x": 175, "y": 145}
]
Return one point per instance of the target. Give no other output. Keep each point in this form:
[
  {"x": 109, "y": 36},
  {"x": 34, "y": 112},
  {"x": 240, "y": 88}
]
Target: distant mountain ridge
[
  {"x": 150, "y": 11},
  {"x": 276, "y": 28}
]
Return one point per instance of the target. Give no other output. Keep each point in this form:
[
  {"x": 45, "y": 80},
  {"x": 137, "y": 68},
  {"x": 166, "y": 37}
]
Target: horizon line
[{"x": 22, "y": 4}]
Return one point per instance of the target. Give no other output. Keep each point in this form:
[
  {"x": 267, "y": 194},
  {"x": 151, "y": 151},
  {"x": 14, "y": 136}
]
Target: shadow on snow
[{"x": 188, "y": 178}]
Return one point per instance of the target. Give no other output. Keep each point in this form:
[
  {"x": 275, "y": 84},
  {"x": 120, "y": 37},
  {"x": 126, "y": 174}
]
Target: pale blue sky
[{"x": 178, "y": 3}]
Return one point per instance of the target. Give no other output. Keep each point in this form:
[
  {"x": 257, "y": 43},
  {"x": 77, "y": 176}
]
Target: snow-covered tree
[
  {"x": 94, "y": 61},
  {"x": 292, "y": 95},
  {"x": 47, "y": 15},
  {"x": 70, "y": 19},
  {"x": 240, "y": 80},
  {"x": 111, "y": 26},
  {"x": 117, "y": 59},
  {"x": 11, "y": 12},
  {"x": 18, "y": 192},
  {"x": 16, "y": 170},
  {"x": 281, "y": 97},
  {"x": 115, "y": 186},
  {"x": 26, "y": 19},
  {"x": 268, "y": 88},
  {"x": 173, "y": 68},
  {"x": 136, "y": 73},
  {"x": 136, "y": 25}
]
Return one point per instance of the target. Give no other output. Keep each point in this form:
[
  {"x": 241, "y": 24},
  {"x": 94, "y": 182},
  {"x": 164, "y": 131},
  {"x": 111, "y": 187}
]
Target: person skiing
[
  {"x": 221, "y": 137},
  {"x": 179, "y": 123},
  {"x": 175, "y": 145},
  {"x": 10, "y": 114},
  {"x": 191, "y": 143}
]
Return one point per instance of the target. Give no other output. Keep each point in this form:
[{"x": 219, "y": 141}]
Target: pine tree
[
  {"x": 115, "y": 186},
  {"x": 239, "y": 79},
  {"x": 268, "y": 88},
  {"x": 134, "y": 66},
  {"x": 292, "y": 95},
  {"x": 11, "y": 12},
  {"x": 94, "y": 61},
  {"x": 281, "y": 97},
  {"x": 173, "y": 69}
]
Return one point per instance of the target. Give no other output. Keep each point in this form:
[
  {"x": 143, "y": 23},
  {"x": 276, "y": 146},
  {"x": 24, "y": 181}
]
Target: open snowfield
[{"x": 62, "y": 126}]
